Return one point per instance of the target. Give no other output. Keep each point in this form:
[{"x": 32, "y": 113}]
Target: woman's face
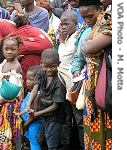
[{"x": 89, "y": 14}]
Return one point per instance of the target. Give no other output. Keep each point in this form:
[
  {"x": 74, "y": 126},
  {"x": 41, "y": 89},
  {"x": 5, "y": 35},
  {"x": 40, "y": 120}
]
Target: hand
[
  {"x": 76, "y": 74},
  {"x": 26, "y": 110},
  {"x": 62, "y": 36},
  {"x": 29, "y": 120},
  {"x": 36, "y": 114},
  {"x": 31, "y": 112}
]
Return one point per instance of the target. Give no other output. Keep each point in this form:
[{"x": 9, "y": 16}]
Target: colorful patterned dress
[
  {"x": 10, "y": 124},
  {"x": 97, "y": 126}
]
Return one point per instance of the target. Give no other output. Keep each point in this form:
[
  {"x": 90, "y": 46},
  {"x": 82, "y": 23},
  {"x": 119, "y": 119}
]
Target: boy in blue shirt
[{"x": 32, "y": 126}]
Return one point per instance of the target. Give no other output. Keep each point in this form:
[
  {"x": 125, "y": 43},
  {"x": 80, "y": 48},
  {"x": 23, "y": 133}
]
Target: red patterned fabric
[
  {"x": 6, "y": 27},
  {"x": 35, "y": 40}
]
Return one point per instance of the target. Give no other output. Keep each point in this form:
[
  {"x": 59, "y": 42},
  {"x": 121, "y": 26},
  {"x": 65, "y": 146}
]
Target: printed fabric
[{"x": 97, "y": 123}]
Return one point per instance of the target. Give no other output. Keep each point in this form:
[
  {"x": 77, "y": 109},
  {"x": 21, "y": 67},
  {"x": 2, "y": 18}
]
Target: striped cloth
[{"x": 4, "y": 14}]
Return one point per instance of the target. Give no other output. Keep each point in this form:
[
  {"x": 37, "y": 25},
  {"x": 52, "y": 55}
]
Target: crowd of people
[{"x": 56, "y": 75}]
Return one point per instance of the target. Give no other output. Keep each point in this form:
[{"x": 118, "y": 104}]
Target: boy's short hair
[
  {"x": 50, "y": 54},
  {"x": 34, "y": 69},
  {"x": 71, "y": 15}
]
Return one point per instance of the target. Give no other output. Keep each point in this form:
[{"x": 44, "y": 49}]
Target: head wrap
[{"x": 89, "y": 2}]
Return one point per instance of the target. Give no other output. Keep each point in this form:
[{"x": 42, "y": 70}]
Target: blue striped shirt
[{"x": 4, "y": 14}]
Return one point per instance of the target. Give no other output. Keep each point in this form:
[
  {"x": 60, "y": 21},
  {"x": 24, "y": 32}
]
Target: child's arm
[
  {"x": 29, "y": 121},
  {"x": 50, "y": 109},
  {"x": 32, "y": 97},
  {"x": 35, "y": 108},
  {"x": 59, "y": 98},
  {"x": 36, "y": 103},
  {"x": 96, "y": 45}
]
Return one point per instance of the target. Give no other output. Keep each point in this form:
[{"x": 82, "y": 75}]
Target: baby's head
[
  {"x": 50, "y": 61},
  {"x": 30, "y": 76},
  {"x": 10, "y": 47}
]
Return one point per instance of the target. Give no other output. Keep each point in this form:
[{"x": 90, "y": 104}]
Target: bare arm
[
  {"x": 50, "y": 109},
  {"x": 96, "y": 45},
  {"x": 35, "y": 108},
  {"x": 32, "y": 97}
]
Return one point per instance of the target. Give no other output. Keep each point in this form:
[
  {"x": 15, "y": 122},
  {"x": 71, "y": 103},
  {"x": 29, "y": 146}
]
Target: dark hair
[
  {"x": 45, "y": 5},
  {"x": 89, "y": 3},
  {"x": 17, "y": 39},
  {"x": 50, "y": 54},
  {"x": 97, "y": 6},
  {"x": 9, "y": 1},
  {"x": 70, "y": 14},
  {"x": 34, "y": 69},
  {"x": 21, "y": 21}
]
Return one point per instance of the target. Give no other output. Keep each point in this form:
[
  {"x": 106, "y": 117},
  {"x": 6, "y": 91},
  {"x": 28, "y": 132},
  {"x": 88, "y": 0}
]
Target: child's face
[
  {"x": 67, "y": 26},
  {"x": 49, "y": 67},
  {"x": 30, "y": 78},
  {"x": 10, "y": 7},
  {"x": 10, "y": 49}
]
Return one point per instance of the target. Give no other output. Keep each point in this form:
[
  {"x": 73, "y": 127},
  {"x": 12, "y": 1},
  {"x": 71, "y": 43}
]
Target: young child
[
  {"x": 10, "y": 46},
  {"x": 32, "y": 126},
  {"x": 10, "y": 6},
  {"x": 53, "y": 96},
  {"x": 66, "y": 52},
  {"x": 10, "y": 123}
]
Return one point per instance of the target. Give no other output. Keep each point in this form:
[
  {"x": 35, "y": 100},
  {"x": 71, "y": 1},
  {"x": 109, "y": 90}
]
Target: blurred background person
[
  {"x": 73, "y": 5},
  {"x": 4, "y": 14},
  {"x": 59, "y": 7},
  {"x": 10, "y": 7},
  {"x": 54, "y": 21}
]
